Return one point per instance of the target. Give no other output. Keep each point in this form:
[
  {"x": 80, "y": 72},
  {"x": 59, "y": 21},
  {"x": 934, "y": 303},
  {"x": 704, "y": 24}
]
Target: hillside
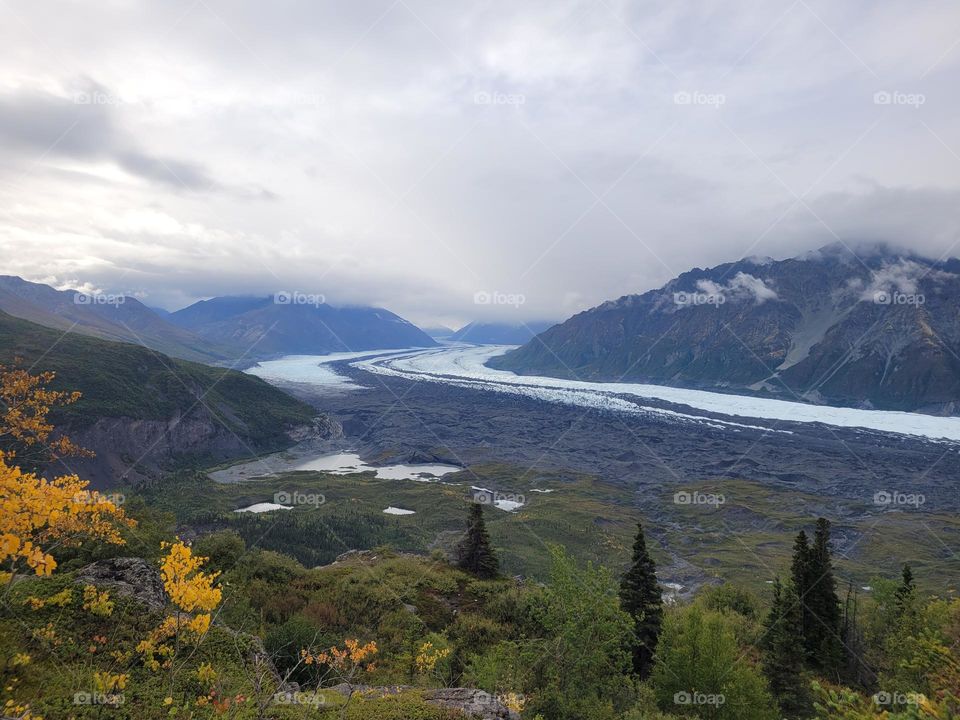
[
  {"x": 878, "y": 330},
  {"x": 265, "y": 326},
  {"x": 141, "y": 409},
  {"x": 120, "y": 318}
]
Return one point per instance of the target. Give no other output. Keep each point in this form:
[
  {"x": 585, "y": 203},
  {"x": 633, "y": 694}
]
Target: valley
[
  {"x": 479, "y": 361},
  {"x": 608, "y": 457}
]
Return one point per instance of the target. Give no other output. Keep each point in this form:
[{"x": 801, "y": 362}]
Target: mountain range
[
  {"x": 296, "y": 324},
  {"x": 874, "y": 328},
  {"x": 110, "y": 317},
  {"x": 489, "y": 333},
  {"x": 222, "y": 330}
]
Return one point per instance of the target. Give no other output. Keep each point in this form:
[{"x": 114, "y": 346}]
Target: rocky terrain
[
  {"x": 878, "y": 329},
  {"x": 398, "y": 420}
]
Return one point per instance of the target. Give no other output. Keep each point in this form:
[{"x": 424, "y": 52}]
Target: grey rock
[
  {"x": 474, "y": 703},
  {"x": 129, "y": 577}
]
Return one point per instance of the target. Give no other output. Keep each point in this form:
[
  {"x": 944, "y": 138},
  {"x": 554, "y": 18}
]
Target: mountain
[
  {"x": 499, "y": 333},
  {"x": 440, "y": 332},
  {"x": 877, "y": 329},
  {"x": 282, "y": 324},
  {"x": 142, "y": 411},
  {"x": 113, "y": 317}
]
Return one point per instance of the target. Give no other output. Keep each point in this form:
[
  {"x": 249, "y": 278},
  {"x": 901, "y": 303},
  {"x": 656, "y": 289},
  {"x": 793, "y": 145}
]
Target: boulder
[
  {"x": 476, "y": 704},
  {"x": 129, "y": 577}
]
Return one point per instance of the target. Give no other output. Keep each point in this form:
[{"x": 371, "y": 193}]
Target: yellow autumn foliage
[
  {"x": 25, "y": 402},
  {"x": 37, "y": 513},
  {"x": 187, "y": 585}
]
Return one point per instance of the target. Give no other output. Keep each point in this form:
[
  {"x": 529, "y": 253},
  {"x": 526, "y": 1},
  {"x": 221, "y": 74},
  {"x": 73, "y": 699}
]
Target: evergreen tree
[
  {"x": 642, "y": 598},
  {"x": 822, "y": 631},
  {"x": 801, "y": 580},
  {"x": 905, "y": 593},
  {"x": 782, "y": 664},
  {"x": 475, "y": 554}
]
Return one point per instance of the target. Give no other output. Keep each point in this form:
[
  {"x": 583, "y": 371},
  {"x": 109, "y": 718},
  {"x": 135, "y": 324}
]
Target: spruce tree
[
  {"x": 783, "y": 665},
  {"x": 474, "y": 553},
  {"x": 824, "y": 647},
  {"x": 800, "y": 577},
  {"x": 904, "y": 594},
  {"x": 642, "y": 598}
]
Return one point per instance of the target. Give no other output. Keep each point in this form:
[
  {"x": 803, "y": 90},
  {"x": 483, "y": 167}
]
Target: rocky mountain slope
[
  {"x": 118, "y": 317},
  {"x": 142, "y": 411},
  {"x": 296, "y": 324},
  {"x": 874, "y": 329}
]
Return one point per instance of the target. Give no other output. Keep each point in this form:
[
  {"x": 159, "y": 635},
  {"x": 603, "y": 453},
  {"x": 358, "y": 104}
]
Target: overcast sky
[{"x": 415, "y": 153}]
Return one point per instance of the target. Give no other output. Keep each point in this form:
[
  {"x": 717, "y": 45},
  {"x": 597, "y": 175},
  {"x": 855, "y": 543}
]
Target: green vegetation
[
  {"x": 378, "y": 632},
  {"x": 122, "y": 380},
  {"x": 742, "y": 541},
  {"x": 560, "y": 651}
]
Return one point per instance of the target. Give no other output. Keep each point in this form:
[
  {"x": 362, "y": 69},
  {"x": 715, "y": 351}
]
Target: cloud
[
  {"x": 903, "y": 276},
  {"x": 389, "y": 183},
  {"x": 82, "y": 126},
  {"x": 742, "y": 287}
]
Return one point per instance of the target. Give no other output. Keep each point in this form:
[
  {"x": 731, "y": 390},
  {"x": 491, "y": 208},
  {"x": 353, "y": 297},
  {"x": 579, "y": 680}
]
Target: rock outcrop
[
  {"x": 477, "y": 704},
  {"x": 130, "y": 577},
  {"x": 878, "y": 329}
]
